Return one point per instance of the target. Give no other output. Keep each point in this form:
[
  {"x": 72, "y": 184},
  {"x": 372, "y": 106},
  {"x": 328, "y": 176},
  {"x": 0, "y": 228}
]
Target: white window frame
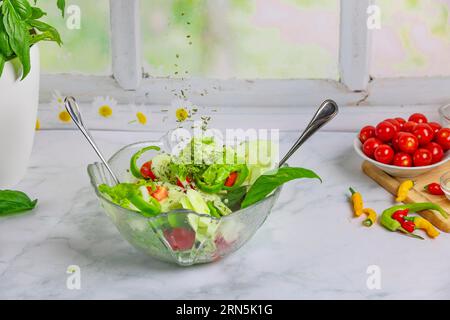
[{"x": 355, "y": 87}]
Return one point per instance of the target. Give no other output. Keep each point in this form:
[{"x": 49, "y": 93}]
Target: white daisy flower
[
  {"x": 58, "y": 102},
  {"x": 57, "y": 99},
  {"x": 104, "y": 106},
  {"x": 180, "y": 111},
  {"x": 140, "y": 114}
]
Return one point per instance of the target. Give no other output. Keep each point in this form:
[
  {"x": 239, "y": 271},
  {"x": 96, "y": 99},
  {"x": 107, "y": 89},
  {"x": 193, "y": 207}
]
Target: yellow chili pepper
[
  {"x": 357, "y": 202},
  {"x": 403, "y": 190},
  {"x": 371, "y": 217},
  {"x": 424, "y": 224}
]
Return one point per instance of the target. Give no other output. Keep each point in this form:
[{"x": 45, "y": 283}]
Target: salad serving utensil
[
  {"x": 327, "y": 111},
  {"x": 74, "y": 111}
]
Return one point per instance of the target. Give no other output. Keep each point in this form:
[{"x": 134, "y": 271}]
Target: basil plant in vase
[{"x": 21, "y": 29}]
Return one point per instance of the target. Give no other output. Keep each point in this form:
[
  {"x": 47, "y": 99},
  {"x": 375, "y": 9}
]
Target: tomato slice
[
  {"x": 180, "y": 239},
  {"x": 188, "y": 183},
  {"x": 159, "y": 194},
  {"x": 146, "y": 171},
  {"x": 231, "y": 179},
  {"x": 179, "y": 183}
]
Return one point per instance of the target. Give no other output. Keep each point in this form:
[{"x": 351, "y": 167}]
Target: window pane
[
  {"x": 414, "y": 39},
  {"x": 241, "y": 38},
  {"x": 85, "y": 50}
]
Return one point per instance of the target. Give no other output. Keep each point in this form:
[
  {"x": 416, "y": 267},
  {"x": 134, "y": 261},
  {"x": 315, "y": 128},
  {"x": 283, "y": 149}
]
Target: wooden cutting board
[{"x": 417, "y": 194}]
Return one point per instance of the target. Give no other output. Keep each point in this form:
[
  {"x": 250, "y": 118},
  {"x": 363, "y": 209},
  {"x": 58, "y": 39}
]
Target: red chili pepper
[
  {"x": 146, "y": 171},
  {"x": 434, "y": 188},
  {"x": 400, "y": 215},
  {"x": 409, "y": 226},
  {"x": 231, "y": 180}
]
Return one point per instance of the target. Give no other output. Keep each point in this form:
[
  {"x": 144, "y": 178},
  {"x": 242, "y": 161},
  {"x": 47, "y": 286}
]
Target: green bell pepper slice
[
  {"x": 213, "y": 210},
  {"x": 212, "y": 179},
  {"x": 208, "y": 188},
  {"x": 147, "y": 209},
  {"x": 130, "y": 192},
  {"x": 242, "y": 174},
  {"x": 135, "y": 170}
]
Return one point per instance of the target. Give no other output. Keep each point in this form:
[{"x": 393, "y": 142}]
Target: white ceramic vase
[{"x": 18, "y": 110}]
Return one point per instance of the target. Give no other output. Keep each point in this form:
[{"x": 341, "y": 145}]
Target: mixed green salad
[{"x": 205, "y": 177}]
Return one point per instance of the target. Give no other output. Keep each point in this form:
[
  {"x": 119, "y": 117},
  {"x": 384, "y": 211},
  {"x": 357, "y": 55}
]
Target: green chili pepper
[
  {"x": 242, "y": 174},
  {"x": 135, "y": 171},
  {"x": 213, "y": 210},
  {"x": 393, "y": 225},
  {"x": 388, "y": 222}
]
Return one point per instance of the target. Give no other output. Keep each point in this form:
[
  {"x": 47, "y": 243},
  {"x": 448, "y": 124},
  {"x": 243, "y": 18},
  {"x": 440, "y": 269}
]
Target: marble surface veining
[{"x": 309, "y": 247}]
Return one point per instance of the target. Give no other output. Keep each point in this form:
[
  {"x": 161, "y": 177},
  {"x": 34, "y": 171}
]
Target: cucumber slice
[{"x": 198, "y": 204}]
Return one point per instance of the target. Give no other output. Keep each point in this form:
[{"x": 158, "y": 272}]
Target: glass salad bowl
[{"x": 181, "y": 236}]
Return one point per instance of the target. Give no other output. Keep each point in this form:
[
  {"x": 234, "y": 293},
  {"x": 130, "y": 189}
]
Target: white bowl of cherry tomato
[{"x": 404, "y": 148}]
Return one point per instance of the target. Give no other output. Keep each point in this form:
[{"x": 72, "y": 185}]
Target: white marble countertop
[{"x": 310, "y": 246}]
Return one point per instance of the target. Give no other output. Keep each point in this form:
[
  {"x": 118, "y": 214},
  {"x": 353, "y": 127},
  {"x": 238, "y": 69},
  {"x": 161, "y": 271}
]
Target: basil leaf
[
  {"x": 19, "y": 38},
  {"x": 234, "y": 197},
  {"x": 14, "y": 202},
  {"x": 37, "y": 13},
  {"x": 5, "y": 48},
  {"x": 2, "y": 62},
  {"x": 271, "y": 180},
  {"x": 61, "y": 4},
  {"x": 23, "y": 8},
  {"x": 50, "y": 33}
]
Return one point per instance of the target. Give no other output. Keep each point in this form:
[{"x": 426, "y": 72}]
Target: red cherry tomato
[
  {"x": 370, "y": 145},
  {"x": 146, "y": 171},
  {"x": 424, "y": 133},
  {"x": 401, "y": 122},
  {"x": 435, "y": 126},
  {"x": 366, "y": 133},
  {"x": 409, "y": 126},
  {"x": 385, "y": 131},
  {"x": 436, "y": 151},
  {"x": 395, "y": 123},
  {"x": 180, "y": 238},
  {"x": 434, "y": 188},
  {"x": 422, "y": 157},
  {"x": 443, "y": 138},
  {"x": 407, "y": 142},
  {"x": 395, "y": 141},
  {"x": 384, "y": 154},
  {"x": 402, "y": 159},
  {"x": 418, "y": 117}
]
